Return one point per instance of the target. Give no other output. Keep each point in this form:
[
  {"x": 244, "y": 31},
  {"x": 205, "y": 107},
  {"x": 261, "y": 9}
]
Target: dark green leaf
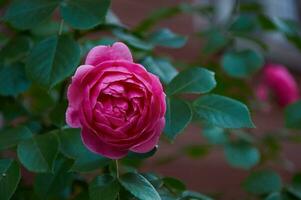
[
  {"x": 223, "y": 112},
  {"x": 244, "y": 23},
  {"x": 57, "y": 115},
  {"x": 27, "y": 14},
  {"x": 159, "y": 14},
  {"x": 133, "y": 40},
  {"x": 160, "y": 67},
  {"x": 197, "y": 151},
  {"x": 84, "y": 14},
  {"x": 215, "y": 135},
  {"x": 242, "y": 155},
  {"x": 52, "y": 60},
  {"x": 242, "y": 63},
  {"x": 178, "y": 115},
  {"x": 38, "y": 153},
  {"x": 48, "y": 28},
  {"x": 188, "y": 195},
  {"x": 15, "y": 50},
  {"x": 295, "y": 40},
  {"x": 274, "y": 196},
  {"x": 192, "y": 80},
  {"x": 263, "y": 182},
  {"x": 10, "y": 176},
  {"x": 71, "y": 145},
  {"x": 167, "y": 38},
  {"x": 175, "y": 185},
  {"x": 293, "y": 115},
  {"x": 295, "y": 187},
  {"x": 154, "y": 179},
  {"x": 287, "y": 26},
  {"x": 134, "y": 155},
  {"x": 215, "y": 41},
  {"x": 13, "y": 80},
  {"x": 52, "y": 184},
  {"x": 139, "y": 186},
  {"x": 266, "y": 23},
  {"x": 104, "y": 187},
  {"x": 11, "y": 137}
]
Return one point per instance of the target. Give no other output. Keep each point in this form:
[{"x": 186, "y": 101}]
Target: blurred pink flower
[
  {"x": 119, "y": 106},
  {"x": 276, "y": 79}
]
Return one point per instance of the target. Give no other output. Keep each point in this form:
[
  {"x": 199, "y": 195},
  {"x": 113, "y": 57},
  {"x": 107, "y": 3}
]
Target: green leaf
[
  {"x": 154, "y": 179},
  {"x": 27, "y": 14},
  {"x": 295, "y": 187},
  {"x": 241, "y": 155},
  {"x": 84, "y": 14},
  {"x": 274, "y": 196},
  {"x": 160, "y": 67},
  {"x": 103, "y": 187},
  {"x": 13, "y": 80},
  {"x": 38, "y": 153},
  {"x": 197, "y": 151},
  {"x": 175, "y": 185},
  {"x": 139, "y": 186},
  {"x": 188, "y": 195},
  {"x": 242, "y": 63},
  {"x": 244, "y": 23},
  {"x": 57, "y": 115},
  {"x": 71, "y": 146},
  {"x": 48, "y": 28},
  {"x": 287, "y": 26},
  {"x": 223, "y": 112},
  {"x": 215, "y": 41},
  {"x": 52, "y": 60},
  {"x": 10, "y": 176},
  {"x": 134, "y": 155},
  {"x": 293, "y": 115},
  {"x": 52, "y": 184},
  {"x": 192, "y": 80},
  {"x": 167, "y": 38},
  {"x": 133, "y": 40},
  {"x": 215, "y": 135},
  {"x": 11, "y": 137},
  {"x": 177, "y": 117},
  {"x": 263, "y": 182},
  {"x": 15, "y": 50}
]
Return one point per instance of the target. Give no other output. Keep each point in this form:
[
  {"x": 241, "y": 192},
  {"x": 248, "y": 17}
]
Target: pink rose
[
  {"x": 277, "y": 79},
  {"x": 118, "y": 104}
]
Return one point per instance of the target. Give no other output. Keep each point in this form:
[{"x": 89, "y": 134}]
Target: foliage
[{"x": 46, "y": 41}]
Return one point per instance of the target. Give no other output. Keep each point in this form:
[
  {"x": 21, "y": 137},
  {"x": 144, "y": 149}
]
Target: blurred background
[{"x": 212, "y": 174}]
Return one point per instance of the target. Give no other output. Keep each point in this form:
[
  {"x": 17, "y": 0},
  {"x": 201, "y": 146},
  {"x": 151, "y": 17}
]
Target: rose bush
[{"x": 117, "y": 103}]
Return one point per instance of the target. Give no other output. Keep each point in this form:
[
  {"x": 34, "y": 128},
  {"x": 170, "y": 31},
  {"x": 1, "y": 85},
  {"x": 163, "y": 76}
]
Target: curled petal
[
  {"x": 99, "y": 54},
  {"x": 74, "y": 95}
]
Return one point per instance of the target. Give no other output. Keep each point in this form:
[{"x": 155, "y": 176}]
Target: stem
[
  {"x": 117, "y": 175},
  {"x": 61, "y": 27},
  {"x": 117, "y": 168}
]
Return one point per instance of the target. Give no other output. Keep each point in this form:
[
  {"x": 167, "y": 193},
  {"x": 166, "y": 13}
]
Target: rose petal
[
  {"x": 74, "y": 95},
  {"x": 99, "y": 54},
  {"x": 94, "y": 144},
  {"x": 149, "y": 144}
]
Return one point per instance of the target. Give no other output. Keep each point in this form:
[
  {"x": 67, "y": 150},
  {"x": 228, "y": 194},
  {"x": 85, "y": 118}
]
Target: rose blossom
[
  {"x": 118, "y": 105},
  {"x": 277, "y": 79}
]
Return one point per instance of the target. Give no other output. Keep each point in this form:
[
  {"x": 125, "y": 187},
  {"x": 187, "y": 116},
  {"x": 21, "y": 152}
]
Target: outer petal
[
  {"x": 74, "y": 95},
  {"x": 94, "y": 144},
  {"x": 99, "y": 54},
  {"x": 147, "y": 145}
]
